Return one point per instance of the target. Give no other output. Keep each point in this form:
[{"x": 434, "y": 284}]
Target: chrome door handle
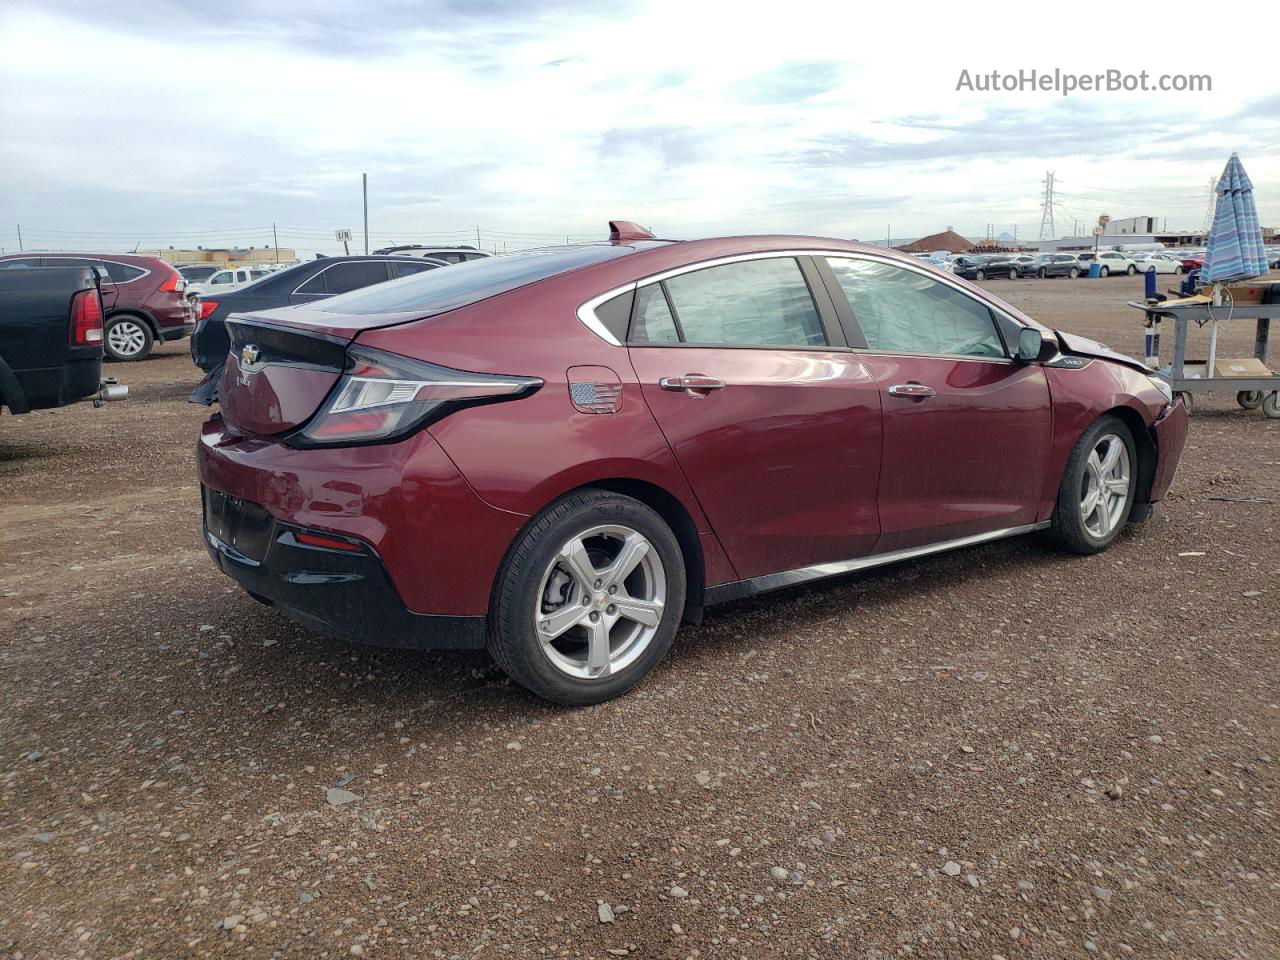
[
  {"x": 916, "y": 391},
  {"x": 694, "y": 384}
]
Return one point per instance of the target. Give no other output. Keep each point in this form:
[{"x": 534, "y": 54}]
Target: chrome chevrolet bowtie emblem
[{"x": 249, "y": 355}]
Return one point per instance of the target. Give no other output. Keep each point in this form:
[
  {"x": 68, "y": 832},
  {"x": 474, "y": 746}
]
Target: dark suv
[{"x": 144, "y": 298}]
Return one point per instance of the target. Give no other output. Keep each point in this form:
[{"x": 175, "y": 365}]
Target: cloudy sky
[{"x": 175, "y": 123}]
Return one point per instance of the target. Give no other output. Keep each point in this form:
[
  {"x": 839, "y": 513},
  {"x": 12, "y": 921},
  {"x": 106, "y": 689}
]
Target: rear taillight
[
  {"x": 86, "y": 319},
  {"x": 207, "y": 307},
  {"x": 384, "y": 397},
  {"x": 173, "y": 282}
]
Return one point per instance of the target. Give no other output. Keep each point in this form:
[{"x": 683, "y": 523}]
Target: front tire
[
  {"x": 1013, "y": 274},
  {"x": 127, "y": 338},
  {"x": 1104, "y": 272},
  {"x": 980, "y": 275},
  {"x": 1073, "y": 273},
  {"x": 1177, "y": 271},
  {"x": 589, "y": 599},
  {"x": 1132, "y": 271},
  {"x": 1096, "y": 496},
  {"x": 1042, "y": 273}
]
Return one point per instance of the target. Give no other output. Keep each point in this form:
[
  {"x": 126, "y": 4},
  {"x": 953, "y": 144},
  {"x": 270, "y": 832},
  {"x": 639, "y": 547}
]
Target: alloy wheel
[
  {"x": 600, "y": 602},
  {"x": 126, "y": 338},
  {"x": 1105, "y": 486}
]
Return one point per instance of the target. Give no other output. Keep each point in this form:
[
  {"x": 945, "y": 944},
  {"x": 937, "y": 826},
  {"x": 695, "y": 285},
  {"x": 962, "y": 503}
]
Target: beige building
[{"x": 224, "y": 256}]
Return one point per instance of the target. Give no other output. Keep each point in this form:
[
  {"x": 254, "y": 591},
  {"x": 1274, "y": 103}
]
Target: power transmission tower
[
  {"x": 1213, "y": 203},
  {"x": 1047, "y": 230}
]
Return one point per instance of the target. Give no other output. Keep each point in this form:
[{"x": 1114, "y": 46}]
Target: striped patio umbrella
[{"x": 1234, "y": 250}]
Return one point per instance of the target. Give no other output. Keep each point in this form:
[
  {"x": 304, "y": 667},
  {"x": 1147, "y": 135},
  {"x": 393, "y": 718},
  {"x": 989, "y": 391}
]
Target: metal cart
[{"x": 1251, "y": 392}]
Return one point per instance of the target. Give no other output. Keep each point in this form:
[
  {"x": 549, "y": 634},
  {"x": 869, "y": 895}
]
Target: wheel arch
[
  {"x": 672, "y": 511},
  {"x": 1145, "y": 446}
]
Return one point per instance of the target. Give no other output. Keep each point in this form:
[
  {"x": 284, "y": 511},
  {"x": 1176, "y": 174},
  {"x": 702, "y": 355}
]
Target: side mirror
[{"x": 1030, "y": 343}]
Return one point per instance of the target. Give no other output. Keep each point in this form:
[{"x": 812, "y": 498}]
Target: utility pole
[
  {"x": 477, "y": 236},
  {"x": 20, "y": 247},
  {"x": 275, "y": 241},
  {"x": 1047, "y": 228},
  {"x": 364, "y": 189}
]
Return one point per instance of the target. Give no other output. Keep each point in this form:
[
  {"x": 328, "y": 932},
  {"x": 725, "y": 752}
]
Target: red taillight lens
[
  {"x": 86, "y": 319},
  {"x": 207, "y": 307},
  {"x": 384, "y": 397},
  {"x": 173, "y": 282}
]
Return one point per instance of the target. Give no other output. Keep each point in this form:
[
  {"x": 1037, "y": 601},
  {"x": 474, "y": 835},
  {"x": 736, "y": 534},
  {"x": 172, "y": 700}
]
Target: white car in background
[
  {"x": 447, "y": 254},
  {"x": 1110, "y": 262},
  {"x": 224, "y": 281},
  {"x": 1157, "y": 263}
]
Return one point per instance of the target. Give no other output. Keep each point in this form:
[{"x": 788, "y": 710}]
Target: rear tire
[
  {"x": 1104, "y": 271},
  {"x": 1132, "y": 271},
  {"x": 1098, "y": 485},
  {"x": 127, "y": 337},
  {"x": 1177, "y": 271},
  {"x": 1042, "y": 273},
  {"x": 1013, "y": 274},
  {"x": 1073, "y": 273},
  {"x": 980, "y": 275},
  {"x": 560, "y": 626}
]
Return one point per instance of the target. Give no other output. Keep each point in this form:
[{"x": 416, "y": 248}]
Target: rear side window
[
  {"x": 615, "y": 314},
  {"x": 346, "y": 277},
  {"x": 121, "y": 273},
  {"x": 902, "y": 311},
  {"x": 313, "y": 286},
  {"x": 749, "y": 303}
]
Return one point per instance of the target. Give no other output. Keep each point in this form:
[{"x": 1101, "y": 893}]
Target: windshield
[{"x": 437, "y": 291}]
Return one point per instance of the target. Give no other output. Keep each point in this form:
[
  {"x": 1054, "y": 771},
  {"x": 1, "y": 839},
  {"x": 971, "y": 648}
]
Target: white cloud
[{"x": 691, "y": 117}]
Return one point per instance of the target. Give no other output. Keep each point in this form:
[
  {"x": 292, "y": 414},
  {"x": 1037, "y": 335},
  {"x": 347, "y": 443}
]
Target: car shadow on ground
[{"x": 270, "y": 655}]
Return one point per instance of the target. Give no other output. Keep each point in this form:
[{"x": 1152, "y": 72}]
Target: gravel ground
[{"x": 1002, "y": 752}]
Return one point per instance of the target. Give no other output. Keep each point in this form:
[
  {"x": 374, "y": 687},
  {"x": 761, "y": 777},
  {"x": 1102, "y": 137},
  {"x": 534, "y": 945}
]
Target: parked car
[
  {"x": 563, "y": 454},
  {"x": 145, "y": 298},
  {"x": 225, "y": 281},
  {"x": 447, "y": 254},
  {"x": 984, "y": 266},
  {"x": 308, "y": 282},
  {"x": 51, "y": 331},
  {"x": 198, "y": 272},
  {"x": 1156, "y": 263},
  {"x": 1109, "y": 262},
  {"x": 1052, "y": 265}
]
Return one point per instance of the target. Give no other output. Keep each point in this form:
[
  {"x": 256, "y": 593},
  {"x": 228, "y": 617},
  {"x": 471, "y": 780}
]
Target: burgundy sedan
[{"x": 563, "y": 454}]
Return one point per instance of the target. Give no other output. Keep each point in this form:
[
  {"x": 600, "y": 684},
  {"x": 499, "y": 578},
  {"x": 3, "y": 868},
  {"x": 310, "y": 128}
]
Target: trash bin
[
  {"x": 1149, "y": 284},
  {"x": 1095, "y": 269}
]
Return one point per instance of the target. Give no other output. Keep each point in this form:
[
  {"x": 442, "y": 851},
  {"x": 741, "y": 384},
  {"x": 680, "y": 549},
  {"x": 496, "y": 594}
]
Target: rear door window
[
  {"x": 399, "y": 270},
  {"x": 749, "y": 303},
  {"x": 346, "y": 277}
]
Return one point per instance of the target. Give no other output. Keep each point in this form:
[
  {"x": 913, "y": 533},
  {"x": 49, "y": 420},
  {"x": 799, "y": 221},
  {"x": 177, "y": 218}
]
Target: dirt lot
[{"x": 1089, "y": 745}]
